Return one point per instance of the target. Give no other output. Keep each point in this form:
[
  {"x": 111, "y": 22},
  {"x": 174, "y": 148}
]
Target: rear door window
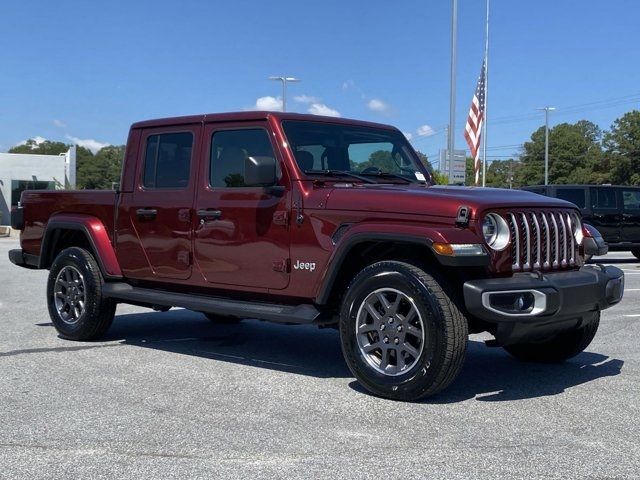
[
  {"x": 167, "y": 161},
  {"x": 573, "y": 195},
  {"x": 603, "y": 198}
]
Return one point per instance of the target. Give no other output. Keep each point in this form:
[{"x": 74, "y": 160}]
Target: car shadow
[{"x": 489, "y": 374}]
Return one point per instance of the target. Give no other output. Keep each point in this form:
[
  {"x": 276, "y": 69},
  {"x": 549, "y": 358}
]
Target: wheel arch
[
  {"x": 356, "y": 251},
  {"x": 83, "y": 231}
]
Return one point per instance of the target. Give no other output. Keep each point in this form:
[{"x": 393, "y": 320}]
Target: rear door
[
  {"x": 631, "y": 214},
  {"x": 242, "y": 235},
  {"x": 606, "y": 213},
  {"x": 159, "y": 208}
]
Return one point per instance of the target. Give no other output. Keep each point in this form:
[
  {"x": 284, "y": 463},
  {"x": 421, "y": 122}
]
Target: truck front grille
[{"x": 541, "y": 240}]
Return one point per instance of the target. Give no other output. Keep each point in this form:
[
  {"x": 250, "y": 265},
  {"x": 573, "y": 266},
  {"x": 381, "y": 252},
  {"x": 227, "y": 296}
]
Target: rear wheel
[
  {"x": 636, "y": 253},
  {"x": 402, "y": 334},
  {"x": 559, "y": 348},
  {"x": 77, "y": 307}
]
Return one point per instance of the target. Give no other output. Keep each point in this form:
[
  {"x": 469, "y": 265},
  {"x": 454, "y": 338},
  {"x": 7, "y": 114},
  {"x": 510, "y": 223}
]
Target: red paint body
[{"x": 251, "y": 247}]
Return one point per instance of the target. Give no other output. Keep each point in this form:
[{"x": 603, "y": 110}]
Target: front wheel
[
  {"x": 77, "y": 307},
  {"x": 402, "y": 333},
  {"x": 559, "y": 348}
]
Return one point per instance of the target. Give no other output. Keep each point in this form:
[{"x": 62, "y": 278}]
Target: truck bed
[{"x": 41, "y": 205}]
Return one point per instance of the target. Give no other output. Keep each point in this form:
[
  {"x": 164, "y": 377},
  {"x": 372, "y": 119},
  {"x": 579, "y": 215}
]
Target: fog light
[
  {"x": 615, "y": 290},
  {"x": 519, "y": 302},
  {"x": 515, "y": 302}
]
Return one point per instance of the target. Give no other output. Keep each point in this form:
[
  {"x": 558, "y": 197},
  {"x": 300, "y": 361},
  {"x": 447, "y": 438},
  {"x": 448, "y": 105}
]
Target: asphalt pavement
[{"x": 170, "y": 395}]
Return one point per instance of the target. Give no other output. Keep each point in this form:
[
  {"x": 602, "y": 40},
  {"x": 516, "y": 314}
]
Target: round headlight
[
  {"x": 495, "y": 231},
  {"x": 576, "y": 228}
]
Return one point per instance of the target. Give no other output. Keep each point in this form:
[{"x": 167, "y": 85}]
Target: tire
[
  {"x": 636, "y": 253},
  {"x": 562, "y": 347},
  {"x": 78, "y": 310},
  {"x": 221, "y": 319},
  {"x": 423, "y": 363}
]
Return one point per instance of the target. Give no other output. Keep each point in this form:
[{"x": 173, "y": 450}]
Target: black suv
[{"x": 614, "y": 210}]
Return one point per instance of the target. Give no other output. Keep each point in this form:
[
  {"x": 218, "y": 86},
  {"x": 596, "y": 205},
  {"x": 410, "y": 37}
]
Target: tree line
[
  {"x": 578, "y": 153},
  {"x": 93, "y": 171}
]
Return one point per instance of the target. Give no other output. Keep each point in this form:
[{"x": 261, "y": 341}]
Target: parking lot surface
[{"x": 170, "y": 395}]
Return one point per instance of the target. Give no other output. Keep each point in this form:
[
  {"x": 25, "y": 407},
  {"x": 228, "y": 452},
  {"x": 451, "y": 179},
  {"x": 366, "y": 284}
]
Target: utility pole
[
  {"x": 452, "y": 98},
  {"x": 284, "y": 81},
  {"x": 546, "y": 142}
]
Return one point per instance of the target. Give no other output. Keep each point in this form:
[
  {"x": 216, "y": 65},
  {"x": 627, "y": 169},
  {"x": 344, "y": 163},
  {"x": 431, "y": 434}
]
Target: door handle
[
  {"x": 209, "y": 214},
  {"x": 147, "y": 213}
]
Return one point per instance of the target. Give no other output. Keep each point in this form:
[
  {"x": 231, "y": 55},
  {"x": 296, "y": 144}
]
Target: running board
[{"x": 293, "y": 314}]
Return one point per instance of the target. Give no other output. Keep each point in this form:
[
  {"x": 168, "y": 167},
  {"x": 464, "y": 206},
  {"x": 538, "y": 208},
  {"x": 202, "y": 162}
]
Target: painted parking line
[
  {"x": 633, "y": 315},
  {"x": 632, "y": 289}
]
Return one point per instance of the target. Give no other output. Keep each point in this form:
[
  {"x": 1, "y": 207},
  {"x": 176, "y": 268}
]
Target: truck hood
[{"x": 442, "y": 201}]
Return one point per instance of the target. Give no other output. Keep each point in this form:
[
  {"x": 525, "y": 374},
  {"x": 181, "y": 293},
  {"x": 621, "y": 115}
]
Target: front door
[
  {"x": 159, "y": 209},
  {"x": 606, "y": 216},
  {"x": 242, "y": 235},
  {"x": 631, "y": 215}
]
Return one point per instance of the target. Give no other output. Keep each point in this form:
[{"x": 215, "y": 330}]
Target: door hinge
[
  {"x": 283, "y": 265},
  {"x": 281, "y": 217}
]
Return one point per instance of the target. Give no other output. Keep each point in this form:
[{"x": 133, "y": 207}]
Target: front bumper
[{"x": 529, "y": 306}]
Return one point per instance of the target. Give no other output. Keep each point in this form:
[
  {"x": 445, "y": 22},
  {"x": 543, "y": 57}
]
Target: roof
[{"x": 252, "y": 115}]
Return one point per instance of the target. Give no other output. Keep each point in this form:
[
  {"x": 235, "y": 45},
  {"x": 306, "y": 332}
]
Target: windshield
[{"x": 331, "y": 148}]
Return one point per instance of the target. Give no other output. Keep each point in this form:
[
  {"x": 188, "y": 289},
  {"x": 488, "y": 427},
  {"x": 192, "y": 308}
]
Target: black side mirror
[{"x": 260, "y": 171}]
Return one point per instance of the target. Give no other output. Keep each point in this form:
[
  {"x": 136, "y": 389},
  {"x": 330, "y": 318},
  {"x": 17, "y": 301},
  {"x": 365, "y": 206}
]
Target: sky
[{"x": 82, "y": 72}]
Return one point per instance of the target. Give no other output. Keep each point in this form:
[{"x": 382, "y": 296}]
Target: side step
[{"x": 296, "y": 314}]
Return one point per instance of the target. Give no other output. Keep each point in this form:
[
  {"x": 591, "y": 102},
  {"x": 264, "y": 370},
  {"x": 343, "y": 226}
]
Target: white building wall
[{"x": 19, "y": 166}]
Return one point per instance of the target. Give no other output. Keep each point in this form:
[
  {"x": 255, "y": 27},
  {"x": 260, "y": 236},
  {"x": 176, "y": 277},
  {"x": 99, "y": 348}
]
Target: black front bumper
[{"x": 530, "y": 306}]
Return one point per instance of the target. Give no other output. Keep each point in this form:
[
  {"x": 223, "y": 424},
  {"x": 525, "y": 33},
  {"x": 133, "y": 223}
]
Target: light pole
[
  {"x": 546, "y": 142},
  {"x": 284, "y": 81},
  {"x": 452, "y": 98}
]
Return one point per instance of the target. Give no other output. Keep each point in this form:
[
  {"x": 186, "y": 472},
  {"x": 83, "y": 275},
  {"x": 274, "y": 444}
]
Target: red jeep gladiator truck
[{"x": 302, "y": 219}]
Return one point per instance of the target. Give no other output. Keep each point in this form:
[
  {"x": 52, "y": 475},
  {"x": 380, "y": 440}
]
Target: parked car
[
  {"x": 613, "y": 209},
  {"x": 301, "y": 219}
]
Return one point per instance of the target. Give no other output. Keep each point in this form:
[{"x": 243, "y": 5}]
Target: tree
[
  {"x": 622, "y": 145},
  {"x": 46, "y": 147},
  {"x": 102, "y": 170},
  {"x": 575, "y": 155}
]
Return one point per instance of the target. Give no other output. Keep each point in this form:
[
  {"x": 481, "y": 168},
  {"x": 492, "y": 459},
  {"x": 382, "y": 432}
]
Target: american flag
[{"x": 473, "y": 129}]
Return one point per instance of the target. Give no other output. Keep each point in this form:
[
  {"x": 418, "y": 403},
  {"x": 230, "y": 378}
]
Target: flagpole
[{"x": 486, "y": 102}]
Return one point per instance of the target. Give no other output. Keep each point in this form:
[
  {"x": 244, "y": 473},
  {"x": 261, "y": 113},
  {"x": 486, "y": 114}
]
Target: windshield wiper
[
  {"x": 388, "y": 175},
  {"x": 333, "y": 173}
]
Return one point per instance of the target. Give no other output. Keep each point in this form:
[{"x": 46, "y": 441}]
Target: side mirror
[{"x": 260, "y": 171}]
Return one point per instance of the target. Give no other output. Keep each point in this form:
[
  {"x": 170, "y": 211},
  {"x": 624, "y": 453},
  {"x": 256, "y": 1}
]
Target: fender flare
[
  {"x": 96, "y": 234},
  {"x": 415, "y": 235}
]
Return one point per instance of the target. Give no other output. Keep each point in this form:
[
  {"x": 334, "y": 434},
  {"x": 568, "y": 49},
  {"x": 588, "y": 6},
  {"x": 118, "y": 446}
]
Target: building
[{"x": 26, "y": 171}]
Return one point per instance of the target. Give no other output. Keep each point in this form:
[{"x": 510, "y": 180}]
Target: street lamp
[
  {"x": 284, "y": 81},
  {"x": 546, "y": 142}
]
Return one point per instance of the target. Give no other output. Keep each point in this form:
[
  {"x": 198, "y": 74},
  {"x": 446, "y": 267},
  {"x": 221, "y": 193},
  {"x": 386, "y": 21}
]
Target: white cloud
[
  {"x": 88, "y": 143},
  {"x": 377, "y": 105},
  {"x": 408, "y": 135},
  {"x": 37, "y": 139},
  {"x": 425, "y": 131},
  {"x": 306, "y": 99},
  {"x": 59, "y": 123},
  {"x": 322, "y": 109},
  {"x": 267, "y": 103}
]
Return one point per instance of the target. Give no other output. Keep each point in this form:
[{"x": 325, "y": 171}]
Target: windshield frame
[{"x": 395, "y": 136}]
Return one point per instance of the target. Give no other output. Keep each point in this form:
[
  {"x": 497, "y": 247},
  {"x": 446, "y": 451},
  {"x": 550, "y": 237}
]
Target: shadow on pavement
[
  {"x": 613, "y": 261},
  {"x": 489, "y": 374}
]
